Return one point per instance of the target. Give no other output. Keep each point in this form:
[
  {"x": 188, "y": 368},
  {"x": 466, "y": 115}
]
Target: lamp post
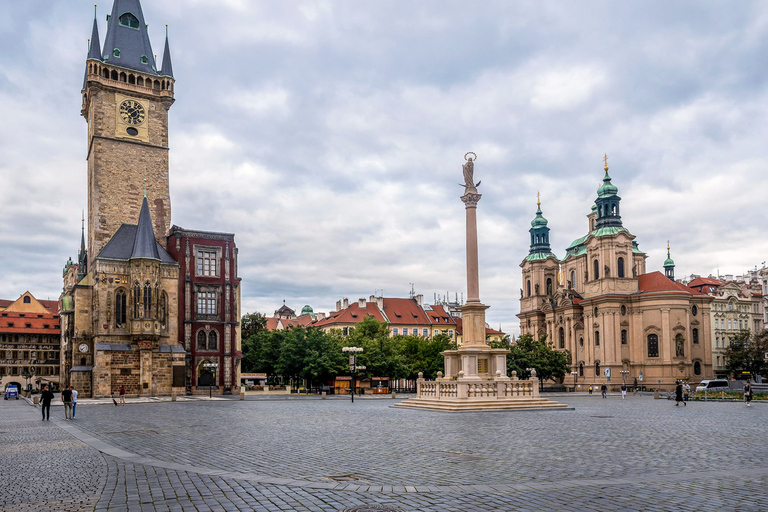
[
  {"x": 353, "y": 365},
  {"x": 212, "y": 367},
  {"x": 575, "y": 376},
  {"x": 624, "y": 374}
]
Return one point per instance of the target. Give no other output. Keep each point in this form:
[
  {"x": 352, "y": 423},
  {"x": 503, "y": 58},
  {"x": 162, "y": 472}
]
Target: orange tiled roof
[
  {"x": 352, "y": 315},
  {"x": 705, "y": 281},
  {"x": 404, "y": 312},
  {"x": 29, "y": 323},
  {"x": 655, "y": 282},
  {"x": 438, "y": 316}
]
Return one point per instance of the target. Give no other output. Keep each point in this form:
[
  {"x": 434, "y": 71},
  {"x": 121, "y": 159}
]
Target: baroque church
[
  {"x": 618, "y": 322},
  {"x": 147, "y": 306}
]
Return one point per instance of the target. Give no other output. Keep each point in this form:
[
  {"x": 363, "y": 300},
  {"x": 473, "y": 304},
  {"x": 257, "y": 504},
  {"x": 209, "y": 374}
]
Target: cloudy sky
[{"x": 329, "y": 137}]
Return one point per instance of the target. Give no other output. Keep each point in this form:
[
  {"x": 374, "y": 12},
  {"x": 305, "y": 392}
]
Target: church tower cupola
[
  {"x": 669, "y": 265},
  {"x": 540, "y": 248},
  {"x": 607, "y": 203}
]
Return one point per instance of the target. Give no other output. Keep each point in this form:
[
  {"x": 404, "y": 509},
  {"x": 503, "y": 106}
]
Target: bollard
[
  {"x": 35, "y": 400},
  {"x": 394, "y": 395},
  {"x": 242, "y": 393},
  {"x": 323, "y": 395},
  {"x": 173, "y": 396},
  {"x": 656, "y": 394}
]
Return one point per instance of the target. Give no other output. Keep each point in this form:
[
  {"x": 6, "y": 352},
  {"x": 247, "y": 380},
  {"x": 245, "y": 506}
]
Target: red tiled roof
[
  {"x": 4, "y": 303},
  {"x": 438, "y": 316},
  {"x": 654, "y": 282},
  {"x": 305, "y": 320},
  {"x": 701, "y": 281},
  {"x": 352, "y": 315},
  {"x": 404, "y": 312}
]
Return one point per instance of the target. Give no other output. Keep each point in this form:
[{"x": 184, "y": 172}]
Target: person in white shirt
[{"x": 74, "y": 401}]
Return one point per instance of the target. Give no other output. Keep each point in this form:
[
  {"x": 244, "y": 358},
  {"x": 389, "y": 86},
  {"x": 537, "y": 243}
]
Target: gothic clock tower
[{"x": 125, "y": 103}]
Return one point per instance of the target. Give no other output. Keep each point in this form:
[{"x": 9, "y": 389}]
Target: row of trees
[{"x": 316, "y": 357}]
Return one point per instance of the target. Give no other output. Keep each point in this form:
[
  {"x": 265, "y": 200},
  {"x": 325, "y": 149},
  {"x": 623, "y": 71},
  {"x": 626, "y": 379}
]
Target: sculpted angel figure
[{"x": 469, "y": 175}]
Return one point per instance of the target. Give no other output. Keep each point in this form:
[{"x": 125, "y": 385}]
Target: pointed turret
[
  {"x": 82, "y": 255},
  {"x": 167, "y": 69},
  {"x": 669, "y": 265},
  {"x": 540, "y": 248},
  {"x": 94, "y": 52},
  {"x": 127, "y": 43},
  {"x": 144, "y": 245},
  {"x": 607, "y": 203}
]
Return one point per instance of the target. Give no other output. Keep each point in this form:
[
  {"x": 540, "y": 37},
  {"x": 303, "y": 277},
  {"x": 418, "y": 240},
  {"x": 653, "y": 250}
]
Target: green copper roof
[
  {"x": 669, "y": 263},
  {"x": 540, "y": 256},
  {"x": 579, "y": 246},
  {"x": 539, "y": 220},
  {"x": 608, "y": 188}
]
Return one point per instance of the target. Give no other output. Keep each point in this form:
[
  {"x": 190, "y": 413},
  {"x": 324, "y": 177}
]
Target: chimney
[
  {"x": 346, "y": 303},
  {"x": 319, "y": 316},
  {"x": 338, "y": 305},
  {"x": 361, "y": 303},
  {"x": 372, "y": 298},
  {"x": 380, "y": 303},
  {"x": 420, "y": 300}
]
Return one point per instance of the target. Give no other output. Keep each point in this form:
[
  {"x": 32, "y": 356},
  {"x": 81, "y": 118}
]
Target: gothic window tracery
[
  {"x": 201, "y": 340},
  {"x": 213, "y": 340},
  {"x": 120, "y": 308}
]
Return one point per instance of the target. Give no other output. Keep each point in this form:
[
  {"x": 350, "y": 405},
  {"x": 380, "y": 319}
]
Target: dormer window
[
  {"x": 129, "y": 20},
  {"x": 116, "y": 52},
  {"x": 144, "y": 59}
]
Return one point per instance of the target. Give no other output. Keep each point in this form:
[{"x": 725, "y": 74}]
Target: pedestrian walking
[
  {"x": 74, "y": 400},
  {"x": 590, "y": 390},
  {"x": 45, "y": 403},
  {"x": 748, "y": 394},
  {"x": 686, "y": 391},
  {"x": 679, "y": 394},
  {"x": 623, "y": 391},
  {"x": 66, "y": 397},
  {"x": 604, "y": 390},
  {"x": 122, "y": 395}
]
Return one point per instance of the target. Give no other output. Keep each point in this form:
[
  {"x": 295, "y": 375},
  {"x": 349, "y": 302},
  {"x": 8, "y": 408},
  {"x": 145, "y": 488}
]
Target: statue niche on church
[{"x": 679, "y": 346}]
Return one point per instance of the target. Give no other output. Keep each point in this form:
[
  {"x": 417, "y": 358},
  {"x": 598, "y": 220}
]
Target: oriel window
[{"x": 206, "y": 263}]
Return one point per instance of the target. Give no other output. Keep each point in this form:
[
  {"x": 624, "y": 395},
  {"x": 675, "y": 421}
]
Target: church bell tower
[{"x": 125, "y": 103}]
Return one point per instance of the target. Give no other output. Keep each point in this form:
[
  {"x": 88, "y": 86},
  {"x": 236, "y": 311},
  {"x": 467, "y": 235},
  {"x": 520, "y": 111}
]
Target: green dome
[
  {"x": 608, "y": 188},
  {"x": 539, "y": 221},
  {"x": 307, "y": 310},
  {"x": 669, "y": 263}
]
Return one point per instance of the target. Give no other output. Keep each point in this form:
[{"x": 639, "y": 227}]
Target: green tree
[
  {"x": 251, "y": 324},
  {"x": 746, "y": 353},
  {"x": 261, "y": 352},
  {"x": 540, "y": 355},
  {"x": 381, "y": 353},
  {"x": 423, "y": 354}
]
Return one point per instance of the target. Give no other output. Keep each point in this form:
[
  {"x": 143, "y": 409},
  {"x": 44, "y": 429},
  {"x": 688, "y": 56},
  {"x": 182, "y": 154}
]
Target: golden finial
[
  {"x": 605, "y": 159},
  {"x": 538, "y": 198}
]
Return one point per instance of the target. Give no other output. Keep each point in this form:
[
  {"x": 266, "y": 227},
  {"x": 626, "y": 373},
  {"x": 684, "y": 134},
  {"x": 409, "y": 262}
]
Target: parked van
[{"x": 713, "y": 385}]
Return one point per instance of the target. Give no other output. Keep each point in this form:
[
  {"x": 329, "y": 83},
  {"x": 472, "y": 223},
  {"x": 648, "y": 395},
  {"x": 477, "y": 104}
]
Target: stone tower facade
[{"x": 125, "y": 101}]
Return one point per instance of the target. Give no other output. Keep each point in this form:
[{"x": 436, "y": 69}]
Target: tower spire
[
  {"x": 82, "y": 255},
  {"x": 669, "y": 265},
  {"x": 540, "y": 248},
  {"x": 167, "y": 69},
  {"x": 127, "y": 42},
  {"x": 94, "y": 51}
]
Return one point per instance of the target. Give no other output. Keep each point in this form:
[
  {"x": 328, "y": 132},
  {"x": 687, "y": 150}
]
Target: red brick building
[{"x": 209, "y": 308}]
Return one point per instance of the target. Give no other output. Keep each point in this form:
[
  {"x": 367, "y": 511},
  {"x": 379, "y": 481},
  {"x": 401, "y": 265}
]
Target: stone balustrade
[{"x": 499, "y": 388}]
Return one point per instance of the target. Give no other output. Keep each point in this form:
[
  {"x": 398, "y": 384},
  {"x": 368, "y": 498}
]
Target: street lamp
[
  {"x": 212, "y": 367},
  {"x": 624, "y": 374},
  {"x": 353, "y": 365},
  {"x": 575, "y": 376}
]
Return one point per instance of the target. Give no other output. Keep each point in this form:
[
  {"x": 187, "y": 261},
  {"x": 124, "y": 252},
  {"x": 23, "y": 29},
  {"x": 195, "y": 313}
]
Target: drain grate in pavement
[
  {"x": 345, "y": 478},
  {"x": 373, "y": 508},
  {"x": 605, "y": 417}
]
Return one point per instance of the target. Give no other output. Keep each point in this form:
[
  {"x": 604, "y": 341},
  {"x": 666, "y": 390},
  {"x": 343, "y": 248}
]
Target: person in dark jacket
[
  {"x": 45, "y": 403},
  {"x": 66, "y": 397},
  {"x": 679, "y": 394},
  {"x": 748, "y": 394}
]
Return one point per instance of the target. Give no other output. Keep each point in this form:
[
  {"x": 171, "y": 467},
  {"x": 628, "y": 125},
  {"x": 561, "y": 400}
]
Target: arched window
[
  {"x": 528, "y": 287},
  {"x": 573, "y": 278},
  {"x": 696, "y": 368},
  {"x": 120, "y": 304},
  {"x": 694, "y": 310},
  {"x": 581, "y": 369},
  {"x": 562, "y": 338},
  {"x": 206, "y": 376},
  {"x": 679, "y": 345},
  {"x": 549, "y": 286},
  {"x": 581, "y": 342},
  {"x": 129, "y": 20},
  {"x": 147, "y": 300},
  {"x": 623, "y": 336},
  {"x": 114, "y": 75},
  {"x": 653, "y": 345},
  {"x": 597, "y": 338},
  {"x": 213, "y": 340},
  {"x": 597, "y": 368},
  {"x": 621, "y": 267},
  {"x": 201, "y": 340},
  {"x": 596, "y": 266},
  {"x": 136, "y": 300},
  {"x": 27, "y": 300},
  {"x": 695, "y": 336}
]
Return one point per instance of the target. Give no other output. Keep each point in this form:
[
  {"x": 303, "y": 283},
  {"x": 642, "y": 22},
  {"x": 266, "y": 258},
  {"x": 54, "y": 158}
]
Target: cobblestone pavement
[{"x": 636, "y": 454}]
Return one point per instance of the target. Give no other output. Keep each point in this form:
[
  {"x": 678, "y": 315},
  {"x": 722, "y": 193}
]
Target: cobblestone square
[{"x": 329, "y": 455}]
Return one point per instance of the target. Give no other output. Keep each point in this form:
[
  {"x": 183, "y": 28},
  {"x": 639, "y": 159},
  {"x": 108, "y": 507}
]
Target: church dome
[
  {"x": 608, "y": 188},
  {"x": 307, "y": 310},
  {"x": 669, "y": 262},
  {"x": 539, "y": 221}
]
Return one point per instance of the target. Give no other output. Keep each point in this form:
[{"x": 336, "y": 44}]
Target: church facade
[
  {"x": 121, "y": 315},
  {"x": 618, "y": 322}
]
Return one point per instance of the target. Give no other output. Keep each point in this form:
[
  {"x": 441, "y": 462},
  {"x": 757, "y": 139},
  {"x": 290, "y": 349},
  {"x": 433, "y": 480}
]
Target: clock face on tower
[
  {"x": 83, "y": 347},
  {"x": 132, "y": 112}
]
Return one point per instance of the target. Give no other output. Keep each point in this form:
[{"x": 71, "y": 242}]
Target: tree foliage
[
  {"x": 251, "y": 324},
  {"x": 746, "y": 353},
  {"x": 540, "y": 355}
]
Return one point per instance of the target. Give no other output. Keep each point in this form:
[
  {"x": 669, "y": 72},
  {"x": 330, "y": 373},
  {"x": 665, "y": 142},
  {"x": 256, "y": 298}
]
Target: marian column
[{"x": 473, "y": 313}]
